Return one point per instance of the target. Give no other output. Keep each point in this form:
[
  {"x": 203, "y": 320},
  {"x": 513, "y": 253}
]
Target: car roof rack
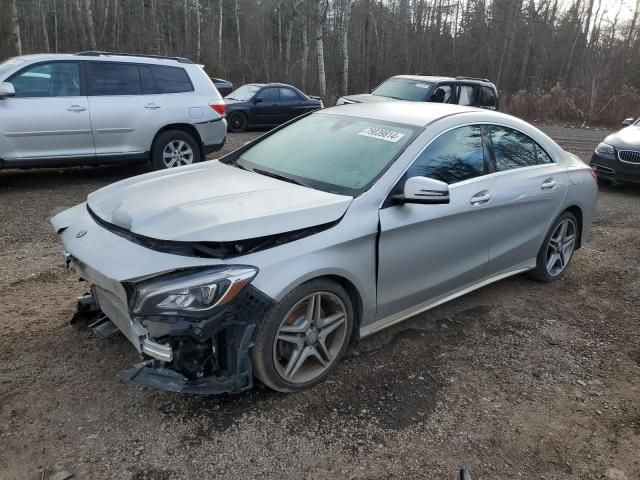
[
  {"x": 96, "y": 53},
  {"x": 473, "y": 78}
]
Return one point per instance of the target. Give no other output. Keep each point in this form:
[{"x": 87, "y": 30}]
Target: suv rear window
[
  {"x": 108, "y": 78},
  {"x": 171, "y": 79}
]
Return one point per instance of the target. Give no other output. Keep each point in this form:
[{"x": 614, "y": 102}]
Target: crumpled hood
[
  {"x": 213, "y": 202},
  {"x": 627, "y": 137},
  {"x": 368, "y": 98}
]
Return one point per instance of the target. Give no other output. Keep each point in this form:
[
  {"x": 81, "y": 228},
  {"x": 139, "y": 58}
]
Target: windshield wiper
[{"x": 278, "y": 176}]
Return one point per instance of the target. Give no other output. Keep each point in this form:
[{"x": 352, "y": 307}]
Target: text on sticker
[{"x": 382, "y": 134}]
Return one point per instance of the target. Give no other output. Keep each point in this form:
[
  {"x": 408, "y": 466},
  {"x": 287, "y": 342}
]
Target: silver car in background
[
  {"x": 97, "y": 108},
  {"x": 343, "y": 222}
]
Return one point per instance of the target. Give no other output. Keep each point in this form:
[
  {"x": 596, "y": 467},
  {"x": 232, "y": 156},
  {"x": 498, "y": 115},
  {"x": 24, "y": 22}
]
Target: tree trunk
[
  {"x": 345, "y": 47},
  {"x": 90, "y": 25},
  {"x": 305, "y": 57},
  {"x": 43, "y": 22},
  {"x": 198, "y": 32},
  {"x": 237, "y": 15},
  {"x": 17, "y": 38},
  {"x": 185, "y": 49},
  {"x": 322, "y": 79},
  {"x": 220, "y": 32}
]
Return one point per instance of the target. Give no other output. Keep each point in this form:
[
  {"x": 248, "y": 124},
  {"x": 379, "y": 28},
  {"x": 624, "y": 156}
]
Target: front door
[
  {"x": 429, "y": 251},
  {"x": 267, "y": 110},
  {"x": 48, "y": 117}
]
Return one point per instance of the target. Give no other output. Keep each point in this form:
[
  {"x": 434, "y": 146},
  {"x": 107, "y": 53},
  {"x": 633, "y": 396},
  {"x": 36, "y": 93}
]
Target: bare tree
[
  {"x": 237, "y": 17},
  {"x": 17, "y": 38},
  {"x": 321, "y": 12},
  {"x": 90, "y": 24},
  {"x": 345, "y": 46}
]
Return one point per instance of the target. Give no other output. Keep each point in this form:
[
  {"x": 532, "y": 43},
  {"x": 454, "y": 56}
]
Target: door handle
[
  {"x": 76, "y": 108},
  {"x": 480, "y": 198},
  {"x": 152, "y": 106},
  {"x": 548, "y": 184}
]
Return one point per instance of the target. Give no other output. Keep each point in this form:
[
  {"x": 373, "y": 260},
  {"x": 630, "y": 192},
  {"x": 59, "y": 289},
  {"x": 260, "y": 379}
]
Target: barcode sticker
[
  {"x": 381, "y": 134},
  {"x": 422, "y": 85}
]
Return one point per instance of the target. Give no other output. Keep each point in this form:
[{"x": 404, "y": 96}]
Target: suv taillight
[{"x": 220, "y": 107}]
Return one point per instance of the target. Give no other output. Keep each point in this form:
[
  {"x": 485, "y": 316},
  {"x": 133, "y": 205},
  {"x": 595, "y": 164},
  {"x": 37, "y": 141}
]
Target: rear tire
[
  {"x": 303, "y": 337},
  {"x": 175, "y": 148},
  {"x": 237, "y": 122},
  {"x": 557, "y": 249}
]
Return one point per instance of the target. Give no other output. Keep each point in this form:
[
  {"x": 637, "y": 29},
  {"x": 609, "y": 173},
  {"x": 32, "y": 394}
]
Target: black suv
[{"x": 476, "y": 92}]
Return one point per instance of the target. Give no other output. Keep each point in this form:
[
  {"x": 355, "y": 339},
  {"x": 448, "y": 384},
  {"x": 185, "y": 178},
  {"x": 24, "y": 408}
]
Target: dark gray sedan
[{"x": 267, "y": 105}]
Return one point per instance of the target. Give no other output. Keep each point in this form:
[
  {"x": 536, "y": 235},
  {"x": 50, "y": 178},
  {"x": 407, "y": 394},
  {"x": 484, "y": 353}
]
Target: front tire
[
  {"x": 237, "y": 122},
  {"x": 557, "y": 249},
  {"x": 303, "y": 337},
  {"x": 175, "y": 148}
]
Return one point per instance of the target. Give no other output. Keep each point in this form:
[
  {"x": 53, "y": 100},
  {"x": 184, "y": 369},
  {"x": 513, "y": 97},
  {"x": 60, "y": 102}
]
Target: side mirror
[
  {"x": 627, "y": 121},
  {"x": 423, "y": 190},
  {"x": 7, "y": 90},
  {"x": 257, "y": 99}
]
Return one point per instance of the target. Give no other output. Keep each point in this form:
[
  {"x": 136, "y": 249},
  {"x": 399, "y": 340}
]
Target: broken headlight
[{"x": 193, "y": 294}]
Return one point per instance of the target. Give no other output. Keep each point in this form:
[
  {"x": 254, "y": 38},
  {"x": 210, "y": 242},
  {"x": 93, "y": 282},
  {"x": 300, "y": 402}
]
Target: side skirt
[{"x": 423, "y": 307}]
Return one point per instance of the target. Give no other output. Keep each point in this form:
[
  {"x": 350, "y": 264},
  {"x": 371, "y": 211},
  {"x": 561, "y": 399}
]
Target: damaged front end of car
[{"x": 194, "y": 327}]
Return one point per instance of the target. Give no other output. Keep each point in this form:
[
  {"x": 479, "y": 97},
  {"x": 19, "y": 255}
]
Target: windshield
[
  {"x": 403, "y": 89},
  {"x": 9, "y": 65},
  {"x": 334, "y": 153},
  {"x": 244, "y": 93}
]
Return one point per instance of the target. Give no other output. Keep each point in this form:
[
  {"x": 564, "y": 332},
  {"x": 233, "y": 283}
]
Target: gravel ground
[{"x": 516, "y": 380}]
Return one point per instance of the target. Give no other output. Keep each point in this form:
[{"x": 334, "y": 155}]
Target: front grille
[{"x": 629, "y": 156}]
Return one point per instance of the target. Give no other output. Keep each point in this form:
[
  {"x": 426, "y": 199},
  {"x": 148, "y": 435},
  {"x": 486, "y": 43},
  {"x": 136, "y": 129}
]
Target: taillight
[
  {"x": 593, "y": 174},
  {"x": 220, "y": 107}
]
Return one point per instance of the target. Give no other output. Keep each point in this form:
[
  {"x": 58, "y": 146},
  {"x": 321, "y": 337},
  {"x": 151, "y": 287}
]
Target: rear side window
[
  {"x": 453, "y": 157},
  {"x": 467, "y": 95},
  {"x": 108, "y": 78},
  {"x": 515, "y": 150},
  {"x": 171, "y": 79},
  {"x": 288, "y": 95},
  {"x": 56, "y": 79},
  {"x": 488, "y": 98}
]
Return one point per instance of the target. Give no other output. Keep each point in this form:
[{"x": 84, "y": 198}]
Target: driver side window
[
  {"x": 453, "y": 157},
  {"x": 56, "y": 79}
]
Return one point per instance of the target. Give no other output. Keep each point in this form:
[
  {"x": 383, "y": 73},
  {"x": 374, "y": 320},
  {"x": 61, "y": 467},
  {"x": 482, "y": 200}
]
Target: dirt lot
[{"x": 517, "y": 380}]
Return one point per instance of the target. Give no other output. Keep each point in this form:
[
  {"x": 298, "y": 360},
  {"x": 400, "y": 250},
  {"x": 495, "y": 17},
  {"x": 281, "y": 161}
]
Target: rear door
[
  {"x": 49, "y": 116},
  {"x": 292, "y": 104},
  {"x": 130, "y": 103},
  {"x": 528, "y": 193},
  {"x": 429, "y": 251}
]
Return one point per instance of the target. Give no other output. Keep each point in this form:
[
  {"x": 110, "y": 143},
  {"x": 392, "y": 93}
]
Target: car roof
[
  {"x": 418, "y": 114},
  {"x": 435, "y": 79},
  {"x": 103, "y": 57}
]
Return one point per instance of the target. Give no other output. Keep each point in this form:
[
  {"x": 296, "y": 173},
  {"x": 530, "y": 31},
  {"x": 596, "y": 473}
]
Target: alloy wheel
[
  {"x": 177, "y": 153},
  {"x": 310, "y": 337},
  {"x": 561, "y": 246}
]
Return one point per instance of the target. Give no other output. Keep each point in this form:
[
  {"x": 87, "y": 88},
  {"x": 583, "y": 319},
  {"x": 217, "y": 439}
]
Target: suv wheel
[
  {"x": 175, "y": 148},
  {"x": 303, "y": 337}
]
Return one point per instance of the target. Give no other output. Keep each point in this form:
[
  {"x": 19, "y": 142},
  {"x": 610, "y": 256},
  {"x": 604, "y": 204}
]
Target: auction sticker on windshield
[{"x": 382, "y": 134}]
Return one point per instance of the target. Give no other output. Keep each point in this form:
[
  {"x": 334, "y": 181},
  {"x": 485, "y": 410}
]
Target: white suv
[{"x": 96, "y": 108}]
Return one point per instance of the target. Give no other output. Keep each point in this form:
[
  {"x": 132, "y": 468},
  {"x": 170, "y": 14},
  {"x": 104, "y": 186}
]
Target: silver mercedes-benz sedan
[{"x": 270, "y": 261}]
